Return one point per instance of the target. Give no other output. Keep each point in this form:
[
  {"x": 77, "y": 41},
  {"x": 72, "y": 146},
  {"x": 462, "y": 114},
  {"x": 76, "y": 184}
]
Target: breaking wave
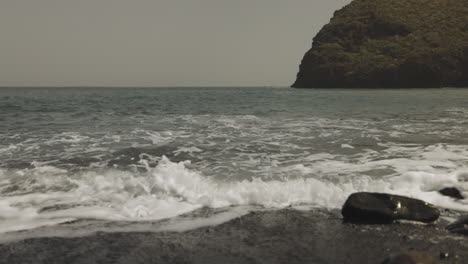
[{"x": 46, "y": 195}]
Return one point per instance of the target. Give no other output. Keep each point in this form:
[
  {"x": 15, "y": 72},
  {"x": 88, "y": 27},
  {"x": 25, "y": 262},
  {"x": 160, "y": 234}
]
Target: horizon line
[{"x": 181, "y": 86}]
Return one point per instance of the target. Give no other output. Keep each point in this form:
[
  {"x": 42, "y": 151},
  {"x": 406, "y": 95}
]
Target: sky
[{"x": 157, "y": 42}]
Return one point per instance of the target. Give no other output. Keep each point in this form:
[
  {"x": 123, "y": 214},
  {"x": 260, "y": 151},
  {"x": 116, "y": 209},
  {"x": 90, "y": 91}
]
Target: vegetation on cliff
[{"x": 390, "y": 43}]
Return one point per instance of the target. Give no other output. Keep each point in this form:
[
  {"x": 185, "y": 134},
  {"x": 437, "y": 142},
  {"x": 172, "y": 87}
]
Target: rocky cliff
[{"x": 390, "y": 43}]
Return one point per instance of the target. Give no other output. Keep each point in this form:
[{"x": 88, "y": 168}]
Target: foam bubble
[{"x": 347, "y": 146}]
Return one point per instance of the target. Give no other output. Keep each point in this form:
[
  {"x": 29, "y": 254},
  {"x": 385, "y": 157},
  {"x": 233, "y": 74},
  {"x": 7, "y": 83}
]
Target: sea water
[{"x": 149, "y": 154}]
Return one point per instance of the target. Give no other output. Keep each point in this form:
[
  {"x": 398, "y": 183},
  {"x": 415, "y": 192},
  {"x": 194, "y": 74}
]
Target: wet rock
[
  {"x": 410, "y": 257},
  {"x": 452, "y": 192},
  {"x": 390, "y": 44},
  {"x": 371, "y": 208},
  {"x": 460, "y": 226}
]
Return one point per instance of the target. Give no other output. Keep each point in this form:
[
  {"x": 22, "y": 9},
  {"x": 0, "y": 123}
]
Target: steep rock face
[{"x": 390, "y": 43}]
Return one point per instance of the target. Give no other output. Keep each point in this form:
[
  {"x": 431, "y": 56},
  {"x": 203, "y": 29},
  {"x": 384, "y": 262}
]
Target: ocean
[{"x": 110, "y": 159}]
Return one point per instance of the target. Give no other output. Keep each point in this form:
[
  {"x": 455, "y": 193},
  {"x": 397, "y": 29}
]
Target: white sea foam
[
  {"x": 8, "y": 149},
  {"x": 46, "y": 195}
]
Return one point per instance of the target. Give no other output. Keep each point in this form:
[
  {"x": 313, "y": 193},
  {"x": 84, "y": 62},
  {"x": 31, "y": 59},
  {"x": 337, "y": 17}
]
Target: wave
[{"x": 47, "y": 195}]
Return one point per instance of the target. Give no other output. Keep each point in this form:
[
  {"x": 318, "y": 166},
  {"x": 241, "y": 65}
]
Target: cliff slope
[{"x": 390, "y": 43}]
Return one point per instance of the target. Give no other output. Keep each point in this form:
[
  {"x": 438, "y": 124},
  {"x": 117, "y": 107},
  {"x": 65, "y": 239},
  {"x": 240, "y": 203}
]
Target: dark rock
[
  {"x": 452, "y": 192},
  {"x": 411, "y": 257},
  {"x": 460, "y": 226},
  {"x": 384, "y": 208},
  {"x": 400, "y": 43}
]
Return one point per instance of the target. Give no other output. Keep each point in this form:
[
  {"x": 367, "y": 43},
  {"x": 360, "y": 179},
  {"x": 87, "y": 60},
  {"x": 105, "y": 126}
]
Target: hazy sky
[{"x": 157, "y": 42}]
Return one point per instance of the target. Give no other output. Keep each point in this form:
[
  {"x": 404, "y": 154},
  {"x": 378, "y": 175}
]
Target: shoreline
[{"x": 275, "y": 236}]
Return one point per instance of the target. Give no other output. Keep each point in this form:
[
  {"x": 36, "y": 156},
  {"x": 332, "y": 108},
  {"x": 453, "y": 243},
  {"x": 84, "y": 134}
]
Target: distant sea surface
[{"x": 134, "y": 155}]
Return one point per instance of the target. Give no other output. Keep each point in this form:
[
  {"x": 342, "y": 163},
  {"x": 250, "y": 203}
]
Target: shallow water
[{"x": 127, "y": 154}]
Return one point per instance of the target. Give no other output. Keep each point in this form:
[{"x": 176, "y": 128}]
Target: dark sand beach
[{"x": 284, "y": 236}]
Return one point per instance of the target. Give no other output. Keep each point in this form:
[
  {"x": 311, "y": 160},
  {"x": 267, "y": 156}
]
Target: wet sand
[{"x": 281, "y": 236}]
